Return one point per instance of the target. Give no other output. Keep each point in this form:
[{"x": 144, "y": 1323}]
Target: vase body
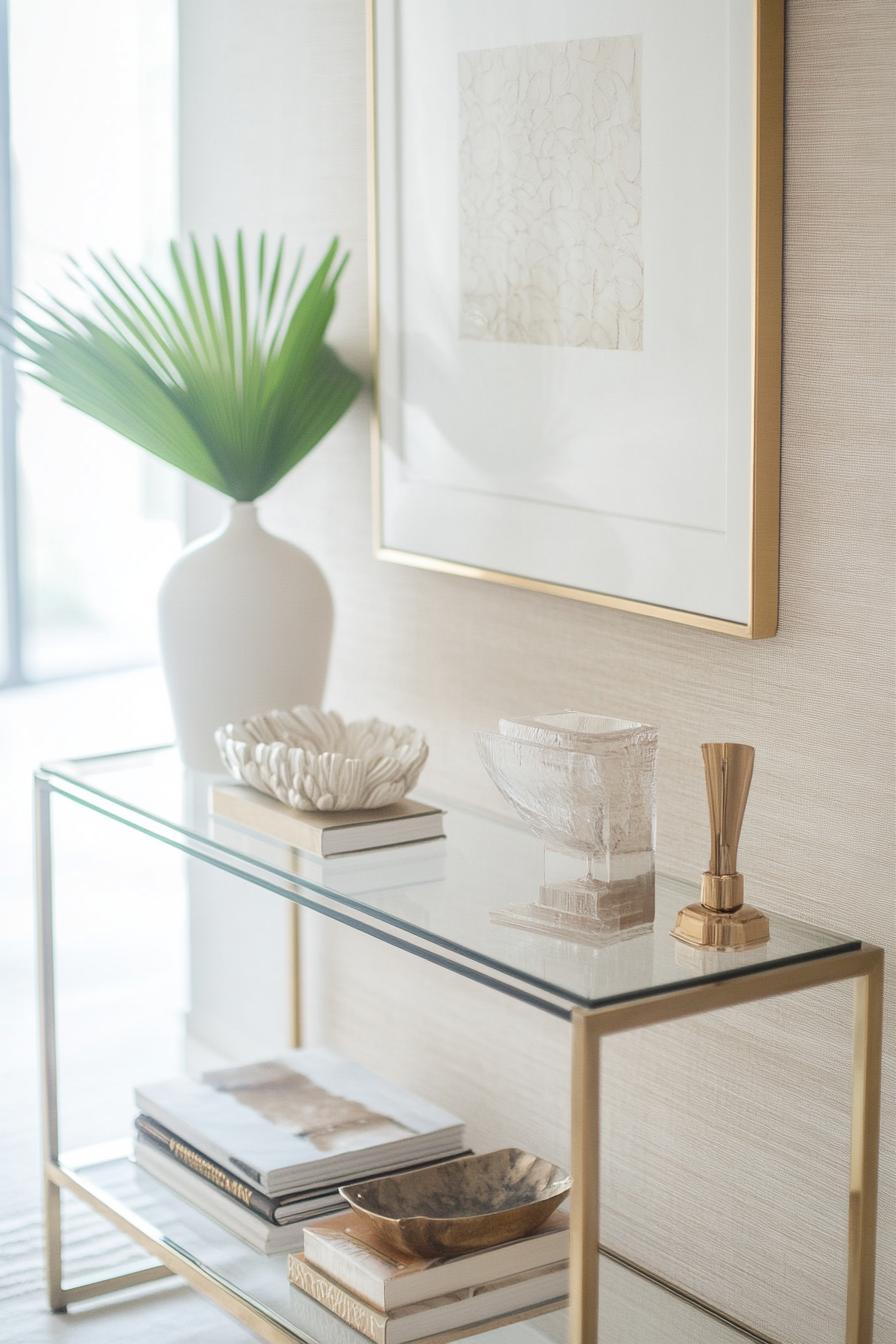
[{"x": 245, "y": 624}]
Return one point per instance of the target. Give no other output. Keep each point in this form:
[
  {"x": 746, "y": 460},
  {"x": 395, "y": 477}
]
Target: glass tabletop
[
  {"x": 634, "y": 1309},
  {"x": 443, "y": 899}
]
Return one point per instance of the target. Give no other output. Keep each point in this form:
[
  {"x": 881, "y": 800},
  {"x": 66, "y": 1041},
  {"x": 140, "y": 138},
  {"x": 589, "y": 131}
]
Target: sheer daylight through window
[{"x": 92, "y": 112}]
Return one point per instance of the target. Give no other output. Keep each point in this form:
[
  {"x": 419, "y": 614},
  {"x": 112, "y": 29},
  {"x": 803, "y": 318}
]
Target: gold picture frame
[{"x": 761, "y": 618}]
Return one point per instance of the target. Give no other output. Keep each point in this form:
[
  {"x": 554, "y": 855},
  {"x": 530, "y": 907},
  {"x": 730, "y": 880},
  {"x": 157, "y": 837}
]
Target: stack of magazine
[
  {"x": 392, "y": 1298},
  {"x": 264, "y": 1147}
]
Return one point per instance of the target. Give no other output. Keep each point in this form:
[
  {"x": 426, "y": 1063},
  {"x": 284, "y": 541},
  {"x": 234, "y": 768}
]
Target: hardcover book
[
  {"x": 328, "y": 833},
  {"x": 307, "y": 1120},
  {"x": 283, "y": 1209},
  {"x": 450, "y": 1311},
  {"x": 347, "y": 1249},
  {"x": 258, "y": 1232}
]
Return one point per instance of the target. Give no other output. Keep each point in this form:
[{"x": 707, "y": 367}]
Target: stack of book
[
  {"x": 263, "y": 1147},
  {"x": 393, "y": 1298}
]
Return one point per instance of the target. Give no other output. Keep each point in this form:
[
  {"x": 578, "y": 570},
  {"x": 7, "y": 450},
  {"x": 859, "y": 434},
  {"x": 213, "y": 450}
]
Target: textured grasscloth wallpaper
[{"x": 726, "y": 1140}]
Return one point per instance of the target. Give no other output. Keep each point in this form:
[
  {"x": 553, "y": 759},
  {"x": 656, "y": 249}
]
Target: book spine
[
  {"x": 344, "y": 1270},
  {"x": 160, "y": 1137},
  {"x": 357, "y": 1314}
]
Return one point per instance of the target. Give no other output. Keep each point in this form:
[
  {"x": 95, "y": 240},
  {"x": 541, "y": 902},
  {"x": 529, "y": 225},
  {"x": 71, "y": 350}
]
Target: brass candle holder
[{"x": 721, "y": 920}]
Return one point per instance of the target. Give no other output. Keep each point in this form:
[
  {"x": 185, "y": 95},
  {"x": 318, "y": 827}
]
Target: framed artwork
[{"x": 577, "y": 261}]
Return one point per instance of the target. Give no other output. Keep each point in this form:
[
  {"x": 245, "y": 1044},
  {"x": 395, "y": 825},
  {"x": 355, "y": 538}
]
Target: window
[{"x": 91, "y": 522}]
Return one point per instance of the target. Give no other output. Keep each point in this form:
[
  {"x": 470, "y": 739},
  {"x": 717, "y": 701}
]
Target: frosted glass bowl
[
  {"x": 586, "y": 785},
  {"x": 315, "y": 762}
]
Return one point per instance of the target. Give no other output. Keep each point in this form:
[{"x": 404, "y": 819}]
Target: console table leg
[
  {"x": 584, "y": 1225},
  {"x": 53, "y": 1245},
  {"x": 43, "y": 869},
  {"x": 867, "y": 1041}
]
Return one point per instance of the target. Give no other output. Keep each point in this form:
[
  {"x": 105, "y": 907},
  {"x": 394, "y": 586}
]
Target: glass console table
[{"x": 434, "y": 901}]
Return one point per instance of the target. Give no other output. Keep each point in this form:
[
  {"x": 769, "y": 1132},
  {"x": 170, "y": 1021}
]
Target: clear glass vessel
[{"x": 586, "y": 785}]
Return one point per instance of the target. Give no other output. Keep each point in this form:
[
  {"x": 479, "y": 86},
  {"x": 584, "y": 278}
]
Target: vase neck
[{"x": 243, "y": 518}]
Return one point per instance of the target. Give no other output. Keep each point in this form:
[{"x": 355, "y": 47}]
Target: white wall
[{"x": 725, "y": 1146}]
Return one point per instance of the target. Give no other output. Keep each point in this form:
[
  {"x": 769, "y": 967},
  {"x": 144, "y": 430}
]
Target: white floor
[{"x": 119, "y": 1018}]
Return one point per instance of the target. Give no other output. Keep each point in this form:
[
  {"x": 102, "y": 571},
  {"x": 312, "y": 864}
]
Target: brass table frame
[{"x": 589, "y": 1026}]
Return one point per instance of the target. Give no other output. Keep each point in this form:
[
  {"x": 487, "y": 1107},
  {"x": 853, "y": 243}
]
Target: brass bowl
[{"x": 463, "y": 1205}]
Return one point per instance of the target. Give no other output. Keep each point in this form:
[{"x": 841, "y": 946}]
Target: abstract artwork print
[{"x": 550, "y": 194}]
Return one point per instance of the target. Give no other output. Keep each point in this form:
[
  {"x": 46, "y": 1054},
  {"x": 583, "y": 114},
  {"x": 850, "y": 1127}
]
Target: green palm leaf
[{"x": 228, "y": 379}]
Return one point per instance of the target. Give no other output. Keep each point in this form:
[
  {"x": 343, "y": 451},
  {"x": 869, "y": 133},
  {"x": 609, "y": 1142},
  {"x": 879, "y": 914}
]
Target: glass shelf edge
[
  {"x": 161, "y": 1245},
  {"x": 559, "y": 1004},
  {"x": 514, "y": 982}
]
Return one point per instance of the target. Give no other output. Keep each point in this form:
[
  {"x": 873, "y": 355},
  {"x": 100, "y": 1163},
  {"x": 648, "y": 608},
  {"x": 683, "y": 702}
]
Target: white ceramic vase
[{"x": 245, "y": 624}]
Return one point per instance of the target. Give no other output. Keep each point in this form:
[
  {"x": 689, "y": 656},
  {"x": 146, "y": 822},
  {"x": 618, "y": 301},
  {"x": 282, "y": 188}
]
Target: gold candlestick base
[{"x": 722, "y": 929}]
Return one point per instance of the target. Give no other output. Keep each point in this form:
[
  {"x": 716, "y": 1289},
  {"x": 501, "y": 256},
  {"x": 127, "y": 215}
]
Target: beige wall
[{"x": 726, "y": 1139}]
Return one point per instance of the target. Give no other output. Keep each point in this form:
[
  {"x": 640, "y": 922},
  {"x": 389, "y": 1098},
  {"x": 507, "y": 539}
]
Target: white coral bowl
[{"x": 315, "y": 762}]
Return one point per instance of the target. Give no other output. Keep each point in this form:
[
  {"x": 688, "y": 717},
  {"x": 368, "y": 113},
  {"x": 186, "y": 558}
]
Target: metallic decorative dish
[{"x": 463, "y": 1205}]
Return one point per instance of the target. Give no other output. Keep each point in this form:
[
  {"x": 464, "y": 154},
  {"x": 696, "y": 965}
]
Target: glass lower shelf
[{"x": 634, "y": 1309}]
